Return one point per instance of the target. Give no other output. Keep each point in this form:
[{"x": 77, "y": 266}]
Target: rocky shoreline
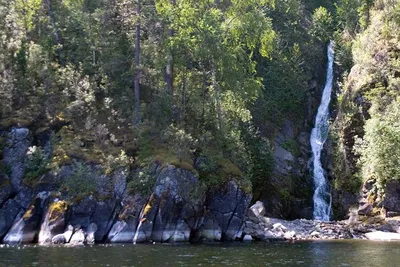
[{"x": 263, "y": 228}]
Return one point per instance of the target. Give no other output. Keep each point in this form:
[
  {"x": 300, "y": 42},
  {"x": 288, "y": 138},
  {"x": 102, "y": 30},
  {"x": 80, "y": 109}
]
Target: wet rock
[
  {"x": 282, "y": 157},
  {"x": 247, "y": 238},
  {"x": 54, "y": 221},
  {"x": 123, "y": 231},
  {"x": 10, "y": 211},
  {"x": 25, "y": 197},
  {"x": 304, "y": 139},
  {"x": 103, "y": 216},
  {"x": 17, "y": 144},
  {"x": 26, "y": 229},
  {"x": 68, "y": 233},
  {"x": 210, "y": 230},
  {"x": 90, "y": 237},
  {"x": 182, "y": 232},
  {"x": 64, "y": 237},
  {"x": 58, "y": 239}
]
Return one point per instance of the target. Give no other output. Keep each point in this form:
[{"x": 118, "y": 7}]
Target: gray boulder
[
  {"x": 257, "y": 209},
  {"x": 78, "y": 238},
  {"x": 58, "y": 239},
  {"x": 383, "y": 236},
  {"x": 64, "y": 237},
  {"x": 68, "y": 233}
]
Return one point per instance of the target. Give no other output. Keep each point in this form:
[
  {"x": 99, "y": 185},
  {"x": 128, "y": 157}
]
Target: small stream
[{"x": 322, "y": 253}]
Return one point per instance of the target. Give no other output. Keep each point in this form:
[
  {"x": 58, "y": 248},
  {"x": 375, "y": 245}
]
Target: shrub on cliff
[{"x": 380, "y": 148}]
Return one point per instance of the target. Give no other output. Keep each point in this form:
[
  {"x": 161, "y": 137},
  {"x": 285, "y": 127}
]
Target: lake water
[{"x": 322, "y": 253}]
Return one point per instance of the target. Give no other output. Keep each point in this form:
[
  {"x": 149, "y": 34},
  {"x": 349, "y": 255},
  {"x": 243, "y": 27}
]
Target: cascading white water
[{"x": 322, "y": 196}]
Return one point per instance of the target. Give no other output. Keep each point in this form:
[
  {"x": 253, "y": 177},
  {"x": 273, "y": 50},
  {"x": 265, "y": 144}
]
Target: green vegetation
[
  {"x": 367, "y": 130},
  {"x": 126, "y": 84},
  {"x": 380, "y": 147},
  {"x": 81, "y": 182},
  {"x": 57, "y": 210},
  {"x": 35, "y": 166}
]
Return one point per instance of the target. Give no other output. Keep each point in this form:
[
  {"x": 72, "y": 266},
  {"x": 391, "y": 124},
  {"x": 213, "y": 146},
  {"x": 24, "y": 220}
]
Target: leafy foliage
[
  {"x": 36, "y": 164},
  {"x": 81, "y": 182},
  {"x": 207, "y": 68},
  {"x": 380, "y": 147}
]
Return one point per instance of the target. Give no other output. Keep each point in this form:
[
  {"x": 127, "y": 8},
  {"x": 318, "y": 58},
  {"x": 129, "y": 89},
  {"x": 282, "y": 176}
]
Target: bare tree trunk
[
  {"x": 217, "y": 95},
  {"x": 204, "y": 90},
  {"x": 169, "y": 68},
  {"x": 184, "y": 89},
  {"x": 137, "y": 66},
  {"x": 55, "y": 31}
]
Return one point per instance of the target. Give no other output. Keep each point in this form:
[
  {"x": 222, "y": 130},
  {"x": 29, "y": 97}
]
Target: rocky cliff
[
  {"x": 80, "y": 203},
  {"x": 362, "y": 157}
]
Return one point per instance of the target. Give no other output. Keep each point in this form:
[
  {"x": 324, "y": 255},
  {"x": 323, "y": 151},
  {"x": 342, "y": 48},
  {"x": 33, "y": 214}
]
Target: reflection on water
[{"x": 340, "y": 253}]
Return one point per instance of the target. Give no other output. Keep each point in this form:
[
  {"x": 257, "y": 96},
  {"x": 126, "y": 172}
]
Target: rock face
[
  {"x": 10, "y": 211},
  {"x": 179, "y": 208},
  {"x": 180, "y": 205},
  {"x": 226, "y": 208},
  {"x": 290, "y": 196},
  {"x": 26, "y": 229},
  {"x": 392, "y": 197},
  {"x": 124, "y": 229},
  {"x": 54, "y": 221},
  {"x": 17, "y": 144}
]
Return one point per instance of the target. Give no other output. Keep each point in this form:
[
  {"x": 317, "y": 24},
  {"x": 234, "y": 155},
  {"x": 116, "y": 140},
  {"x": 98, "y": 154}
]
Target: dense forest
[{"x": 226, "y": 89}]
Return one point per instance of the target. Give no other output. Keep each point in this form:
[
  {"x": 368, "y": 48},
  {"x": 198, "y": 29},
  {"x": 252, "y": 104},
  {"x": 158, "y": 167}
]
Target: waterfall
[
  {"x": 141, "y": 219},
  {"x": 322, "y": 196},
  {"x": 135, "y": 237}
]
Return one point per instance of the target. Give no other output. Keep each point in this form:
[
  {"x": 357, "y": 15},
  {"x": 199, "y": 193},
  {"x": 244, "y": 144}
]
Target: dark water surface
[{"x": 338, "y": 253}]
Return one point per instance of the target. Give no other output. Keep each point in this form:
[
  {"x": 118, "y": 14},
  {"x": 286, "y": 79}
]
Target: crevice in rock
[
  {"x": 223, "y": 236},
  {"x": 114, "y": 217}
]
